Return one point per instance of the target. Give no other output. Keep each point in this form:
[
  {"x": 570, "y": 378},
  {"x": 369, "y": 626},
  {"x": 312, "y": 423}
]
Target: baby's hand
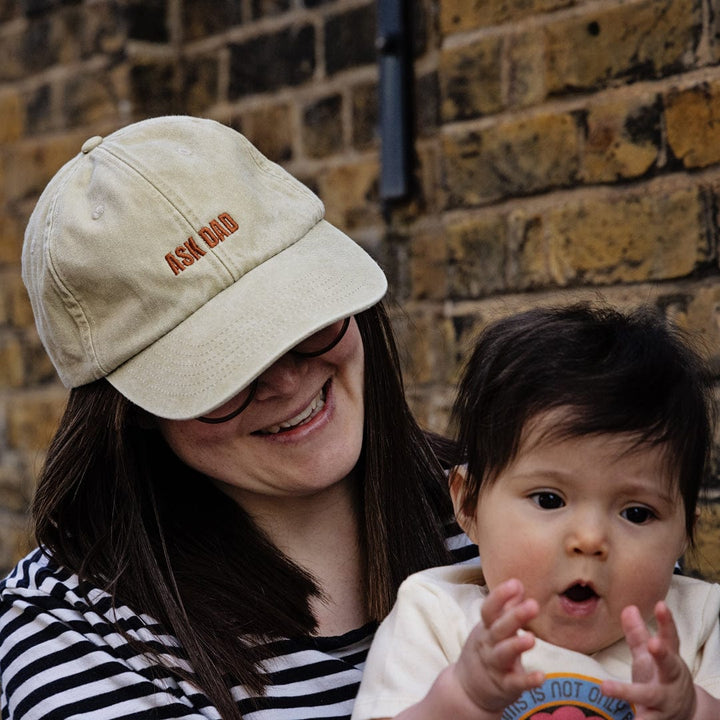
[
  {"x": 662, "y": 686},
  {"x": 489, "y": 669}
]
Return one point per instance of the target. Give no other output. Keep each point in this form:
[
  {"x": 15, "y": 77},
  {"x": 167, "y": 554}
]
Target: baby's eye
[
  {"x": 637, "y": 514},
  {"x": 547, "y": 500}
]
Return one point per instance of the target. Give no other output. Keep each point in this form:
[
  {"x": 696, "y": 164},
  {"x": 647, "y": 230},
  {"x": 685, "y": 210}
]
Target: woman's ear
[{"x": 456, "y": 480}]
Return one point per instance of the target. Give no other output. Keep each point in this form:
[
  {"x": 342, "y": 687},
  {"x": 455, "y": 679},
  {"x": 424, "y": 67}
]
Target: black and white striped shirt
[{"x": 62, "y": 658}]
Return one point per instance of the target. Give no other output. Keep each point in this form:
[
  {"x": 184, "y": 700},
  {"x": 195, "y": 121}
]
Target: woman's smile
[
  {"x": 316, "y": 405},
  {"x": 301, "y": 433}
]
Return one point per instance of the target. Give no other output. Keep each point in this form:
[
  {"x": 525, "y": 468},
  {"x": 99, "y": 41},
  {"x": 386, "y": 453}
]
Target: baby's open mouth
[{"x": 580, "y": 592}]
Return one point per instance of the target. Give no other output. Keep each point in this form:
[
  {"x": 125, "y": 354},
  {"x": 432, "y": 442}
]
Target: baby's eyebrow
[
  {"x": 543, "y": 472},
  {"x": 668, "y": 497},
  {"x": 658, "y": 490}
]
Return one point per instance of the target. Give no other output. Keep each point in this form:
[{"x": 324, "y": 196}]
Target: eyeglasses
[{"x": 317, "y": 344}]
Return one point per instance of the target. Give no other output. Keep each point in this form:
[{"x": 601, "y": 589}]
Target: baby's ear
[{"x": 456, "y": 481}]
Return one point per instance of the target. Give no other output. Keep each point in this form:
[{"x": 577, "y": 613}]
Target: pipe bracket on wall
[{"x": 394, "y": 75}]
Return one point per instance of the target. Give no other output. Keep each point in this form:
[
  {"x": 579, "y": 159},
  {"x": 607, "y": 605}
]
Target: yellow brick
[
  {"x": 269, "y": 129},
  {"x": 38, "y": 368},
  {"x": 428, "y": 266},
  {"x": 460, "y": 15},
  {"x": 11, "y": 361},
  {"x": 525, "y": 58},
  {"x": 12, "y": 116},
  {"x": 530, "y": 265},
  {"x": 15, "y": 539},
  {"x": 21, "y": 311},
  {"x": 91, "y": 98},
  {"x": 593, "y": 48},
  {"x": 476, "y": 253},
  {"x": 15, "y": 307},
  {"x": 705, "y": 560},
  {"x": 515, "y": 157},
  {"x": 623, "y": 140},
  {"x": 11, "y": 238},
  {"x": 33, "y": 419},
  {"x": 470, "y": 83},
  {"x": 699, "y": 312},
  {"x": 692, "y": 118},
  {"x": 30, "y": 165},
  {"x": 428, "y": 347},
  {"x": 16, "y": 488},
  {"x": 627, "y": 239},
  {"x": 350, "y": 194}
]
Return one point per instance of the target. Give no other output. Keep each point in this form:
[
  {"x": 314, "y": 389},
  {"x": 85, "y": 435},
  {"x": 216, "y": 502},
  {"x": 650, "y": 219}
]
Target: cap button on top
[{"x": 91, "y": 143}]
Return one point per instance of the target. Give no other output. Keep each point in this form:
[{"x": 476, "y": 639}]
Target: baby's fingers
[
  {"x": 508, "y": 612},
  {"x": 672, "y": 700},
  {"x": 492, "y": 674},
  {"x": 670, "y": 666},
  {"x": 500, "y": 599},
  {"x": 634, "y": 627},
  {"x": 507, "y": 652},
  {"x": 667, "y": 630},
  {"x": 664, "y": 647},
  {"x": 637, "y": 636},
  {"x": 646, "y": 695},
  {"x": 508, "y": 624},
  {"x": 504, "y": 664}
]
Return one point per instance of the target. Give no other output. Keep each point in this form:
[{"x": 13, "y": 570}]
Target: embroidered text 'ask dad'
[{"x": 212, "y": 234}]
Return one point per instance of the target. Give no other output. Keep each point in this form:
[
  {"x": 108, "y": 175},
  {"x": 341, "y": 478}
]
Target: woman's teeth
[{"x": 317, "y": 403}]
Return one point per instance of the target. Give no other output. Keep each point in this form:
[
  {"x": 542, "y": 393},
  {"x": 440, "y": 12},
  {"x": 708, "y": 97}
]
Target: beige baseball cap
[{"x": 174, "y": 259}]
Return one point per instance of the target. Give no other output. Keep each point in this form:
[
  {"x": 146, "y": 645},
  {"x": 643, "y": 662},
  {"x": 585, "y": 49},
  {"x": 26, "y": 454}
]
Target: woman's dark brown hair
[{"x": 117, "y": 507}]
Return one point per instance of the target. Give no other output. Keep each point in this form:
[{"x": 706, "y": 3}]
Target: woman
[{"x": 237, "y": 487}]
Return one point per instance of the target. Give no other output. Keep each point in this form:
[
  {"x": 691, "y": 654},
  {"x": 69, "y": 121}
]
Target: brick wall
[{"x": 562, "y": 150}]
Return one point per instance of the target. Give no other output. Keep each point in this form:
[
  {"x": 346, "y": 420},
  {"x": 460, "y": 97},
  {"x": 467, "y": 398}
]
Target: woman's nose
[{"x": 283, "y": 377}]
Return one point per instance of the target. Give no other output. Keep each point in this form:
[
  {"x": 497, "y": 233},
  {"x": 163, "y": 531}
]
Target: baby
[{"x": 587, "y": 434}]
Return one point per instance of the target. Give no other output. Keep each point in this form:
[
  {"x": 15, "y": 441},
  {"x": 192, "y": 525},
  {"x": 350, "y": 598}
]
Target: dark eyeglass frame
[{"x": 254, "y": 384}]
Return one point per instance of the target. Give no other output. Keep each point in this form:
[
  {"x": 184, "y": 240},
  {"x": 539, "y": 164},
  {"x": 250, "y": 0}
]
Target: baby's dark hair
[{"x": 610, "y": 372}]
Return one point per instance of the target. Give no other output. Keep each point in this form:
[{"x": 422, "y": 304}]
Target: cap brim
[{"x": 235, "y": 336}]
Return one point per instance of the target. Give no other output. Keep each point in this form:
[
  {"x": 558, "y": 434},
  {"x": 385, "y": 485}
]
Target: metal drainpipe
[{"x": 394, "y": 77}]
